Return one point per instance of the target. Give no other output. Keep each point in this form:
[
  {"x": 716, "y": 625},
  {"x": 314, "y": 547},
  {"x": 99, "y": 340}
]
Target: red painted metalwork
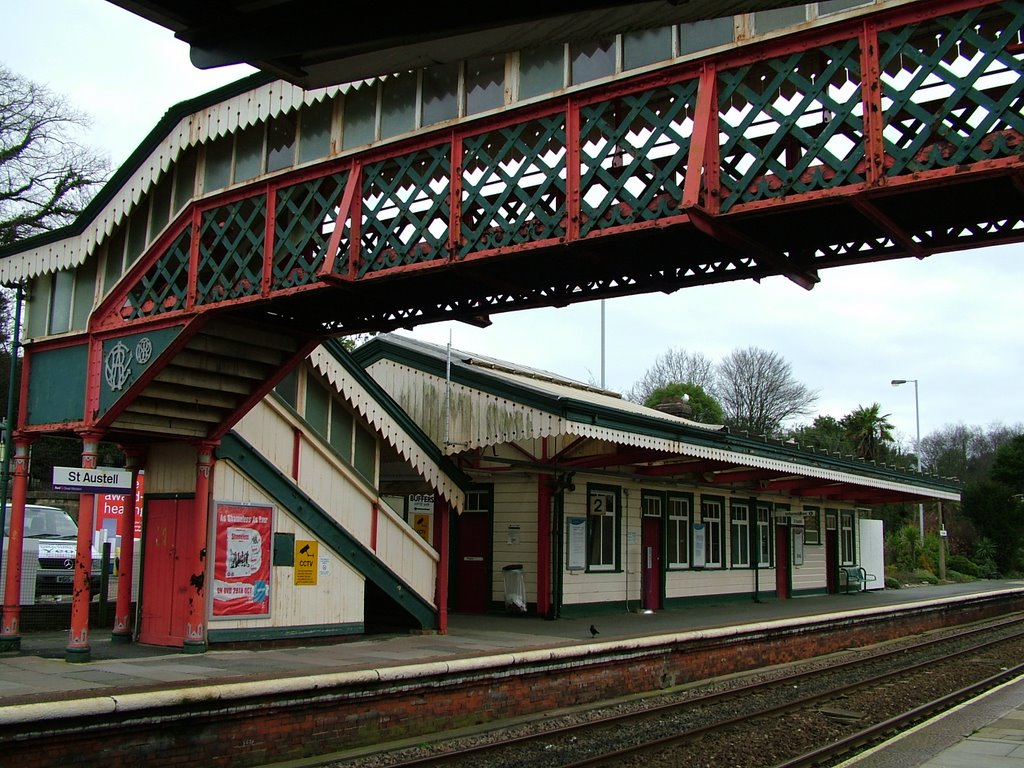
[
  {"x": 712, "y": 244},
  {"x": 195, "y": 623},
  {"x": 122, "y": 631},
  {"x": 78, "y": 648},
  {"x": 10, "y": 628}
]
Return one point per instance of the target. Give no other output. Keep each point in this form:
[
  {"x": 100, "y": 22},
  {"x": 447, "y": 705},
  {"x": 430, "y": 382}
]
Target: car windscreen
[{"x": 44, "y": 523}]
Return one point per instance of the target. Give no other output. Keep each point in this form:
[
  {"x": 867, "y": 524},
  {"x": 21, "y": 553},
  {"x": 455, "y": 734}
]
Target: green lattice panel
[
  {"x": 791, "y": 125},
  {"x": 952, "y": 90},
  {"x": 231, "y": 251},
  {"x": 633, "y": 156},
  {"x": 514, "y": 185},
  {"x": 305, "y": 216},
  {"x": 164, "y": 287},
  {"x": 406, "y": 211}
]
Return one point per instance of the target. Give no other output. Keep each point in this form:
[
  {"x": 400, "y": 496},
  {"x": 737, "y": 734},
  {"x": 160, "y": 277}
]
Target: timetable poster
[{"x": 241, "y": 566}]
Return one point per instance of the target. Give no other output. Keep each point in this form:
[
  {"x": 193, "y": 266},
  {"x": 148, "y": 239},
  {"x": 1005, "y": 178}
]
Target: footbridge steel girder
[{"x": 897, "y": 135}]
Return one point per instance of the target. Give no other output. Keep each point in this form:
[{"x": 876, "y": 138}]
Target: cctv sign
[{"x": 89, "y": 480}]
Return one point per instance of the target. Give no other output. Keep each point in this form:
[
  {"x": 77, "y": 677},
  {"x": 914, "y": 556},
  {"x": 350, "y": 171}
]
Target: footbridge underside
[{"x": 897, "y": 134}]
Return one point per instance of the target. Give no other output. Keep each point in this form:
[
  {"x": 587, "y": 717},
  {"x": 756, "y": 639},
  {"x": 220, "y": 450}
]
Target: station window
[
  {"x": 846, "y": 540},
  {"x": 364, "y": 451},
  {"x": 218, "y": 155},
  {"x": 739, "y": 528},
  {"x": 160, "y": 207},
  {"x": 113, "y": 262},
  {"x": 398, "y": 105},
  {"x": 767, "y": 21},
  {"x": 185, "y": 179},
  {"x": 315, "y": 130},
  {"x": 765, "y": 539},
  {"x": 281, "y": 132},
  {"x": 711, "y": 516},
  {"x": 341, "y": 431},
  {"x": 602, "y": 528},
  {"x": 360, "y": 126},
  {"x": 812, "y": 525},
  {"x": 318, "y": 403},
  {"x": 287, "y": 388},
  {"x": 646, "y": 46},
  {"x": 440, "y": 93},
  {"x": 835, "y": 6},
  {"x": 485, "y": 84},
  {"x": 710, "y": 33},
  {"x": 651, "y": 504},
  {"x": 678, "y": 533},
  {"x": 249, "y": 153},
  {"x": 541, "y": 70},
  {"x": 592, "y": 60},
  {"x": 84, "y": 294}
]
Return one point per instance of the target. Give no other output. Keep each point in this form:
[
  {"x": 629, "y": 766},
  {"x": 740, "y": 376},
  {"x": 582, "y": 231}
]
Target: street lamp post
[{"x": 917, "y": 448}]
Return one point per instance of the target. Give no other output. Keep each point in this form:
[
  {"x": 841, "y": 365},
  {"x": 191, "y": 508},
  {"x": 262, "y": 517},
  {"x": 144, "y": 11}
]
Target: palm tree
[{"x": 869, "y": 431}]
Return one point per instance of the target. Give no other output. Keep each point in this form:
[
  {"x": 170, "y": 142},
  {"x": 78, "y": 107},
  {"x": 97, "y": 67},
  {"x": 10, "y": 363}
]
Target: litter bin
[{"x": 515, "y": 589}]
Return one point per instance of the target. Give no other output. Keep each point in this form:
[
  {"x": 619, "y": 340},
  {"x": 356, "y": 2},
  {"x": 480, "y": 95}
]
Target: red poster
[{"x": 241, "y": 566}]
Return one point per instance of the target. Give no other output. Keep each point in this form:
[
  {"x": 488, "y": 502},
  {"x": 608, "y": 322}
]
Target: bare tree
[
  {"x": 676, "y": 366},
  {"x": 965, "y": 452},
  {"x": 46, "y": 176},
  {"x": 758, "y": 392}
]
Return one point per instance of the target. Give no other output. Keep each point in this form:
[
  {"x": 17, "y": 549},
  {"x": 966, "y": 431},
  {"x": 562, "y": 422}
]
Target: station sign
[{"x": 91, "y": 480}]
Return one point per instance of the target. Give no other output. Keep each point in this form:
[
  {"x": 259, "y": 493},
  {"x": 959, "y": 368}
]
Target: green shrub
[
  {"x": 921, "y": 575},
  {"x": 959, "y": 578},
  {"x": 891, "y": 582},
  {"x": 962, "y": 565}
]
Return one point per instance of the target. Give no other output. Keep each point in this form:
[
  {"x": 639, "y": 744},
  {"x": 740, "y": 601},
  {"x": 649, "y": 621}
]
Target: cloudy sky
[{"x": 951, "y": 321}]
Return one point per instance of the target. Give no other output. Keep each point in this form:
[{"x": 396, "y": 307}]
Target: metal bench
[{"x": 852, "y": 578}]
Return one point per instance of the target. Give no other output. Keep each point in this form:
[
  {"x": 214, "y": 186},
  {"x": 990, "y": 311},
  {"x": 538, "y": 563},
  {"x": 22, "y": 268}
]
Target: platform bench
[{"x": 852, "y": 578}]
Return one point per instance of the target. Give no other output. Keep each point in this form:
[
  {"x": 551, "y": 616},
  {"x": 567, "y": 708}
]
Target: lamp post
[{"x": 917, "y": 448}]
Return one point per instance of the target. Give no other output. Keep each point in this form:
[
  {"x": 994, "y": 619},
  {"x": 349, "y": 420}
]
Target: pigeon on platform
[{"x": 593, "y": 631}]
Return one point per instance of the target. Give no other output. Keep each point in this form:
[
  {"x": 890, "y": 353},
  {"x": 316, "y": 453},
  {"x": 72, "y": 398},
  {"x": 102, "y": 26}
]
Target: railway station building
[{"x": 295, "y": 489}]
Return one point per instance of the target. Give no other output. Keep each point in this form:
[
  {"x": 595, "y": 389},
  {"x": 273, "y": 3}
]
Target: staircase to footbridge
[{"x": 894, "y": 131}]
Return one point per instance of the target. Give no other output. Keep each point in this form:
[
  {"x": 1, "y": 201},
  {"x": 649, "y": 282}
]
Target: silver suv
[{"x": 48, "y": 555}]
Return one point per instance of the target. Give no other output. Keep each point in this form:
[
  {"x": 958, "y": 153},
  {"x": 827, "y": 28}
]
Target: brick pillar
[
  {"x": 78, "y": 649},
  {"x": 195, "y": 626},
  {"x": 10, "y": 629},
  {"x": 122, "y": 632}
]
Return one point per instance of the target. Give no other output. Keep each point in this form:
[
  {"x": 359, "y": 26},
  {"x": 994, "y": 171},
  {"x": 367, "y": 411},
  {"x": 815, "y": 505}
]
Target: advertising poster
[
  {"x": 241, "y": 565},
  {"x": 577, "y": 559},
  {"x": 109, "y": 514}
]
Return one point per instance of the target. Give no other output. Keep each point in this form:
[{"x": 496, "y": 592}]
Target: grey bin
[{"x": 515, "y": 589}]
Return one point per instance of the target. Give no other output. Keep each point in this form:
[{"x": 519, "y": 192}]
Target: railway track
[{"x": 810, "y": 714}]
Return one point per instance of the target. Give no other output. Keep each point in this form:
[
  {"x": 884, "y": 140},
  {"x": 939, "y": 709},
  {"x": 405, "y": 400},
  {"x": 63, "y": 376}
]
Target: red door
[
  {"x": 472, "y": 585},
  {"x": 782, "y": 561},
  {"x": 832, "y": 561},
  {"x": 651, "y": 566},
  {"x": 167, "y": 543}
]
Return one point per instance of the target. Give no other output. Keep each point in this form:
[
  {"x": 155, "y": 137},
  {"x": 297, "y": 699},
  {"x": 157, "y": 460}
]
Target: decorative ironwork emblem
[
  {"x": 143, "y": 350},
  {"x": 117, "y": 366}
]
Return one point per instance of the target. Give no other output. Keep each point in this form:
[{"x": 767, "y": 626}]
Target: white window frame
[
  {"x": 847, "y": 542},
  {"x": 739, "y": 539},
  {"x": 602, "y": 523},
  {"x": 711, "y": 514},
  {"x": 765, "y": 537},
  {"x": 679, "y": 521}
]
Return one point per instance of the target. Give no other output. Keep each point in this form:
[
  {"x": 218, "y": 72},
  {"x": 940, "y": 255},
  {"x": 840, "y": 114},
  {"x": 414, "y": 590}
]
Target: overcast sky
[{"x": 951, "y": 321}]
